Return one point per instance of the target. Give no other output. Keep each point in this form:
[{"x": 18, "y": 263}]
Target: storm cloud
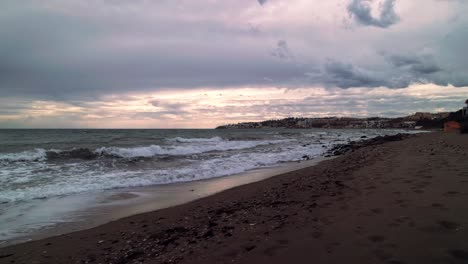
[
  {"x": 421, "y": 64},
  {"x": 347, "y": 75},
  {"x": 75, "y": 52},
  {"x": 62, "y": 49},
  {"x": 361, "y": 11}
]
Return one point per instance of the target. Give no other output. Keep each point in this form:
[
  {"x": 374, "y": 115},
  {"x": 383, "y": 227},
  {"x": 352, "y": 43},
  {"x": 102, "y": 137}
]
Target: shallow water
[{"x": 59, "y": 215}]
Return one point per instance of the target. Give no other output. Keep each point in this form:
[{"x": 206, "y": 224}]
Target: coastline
[
  {"x": 377, "y": 204},
  {"x": 89, "y": 210}
]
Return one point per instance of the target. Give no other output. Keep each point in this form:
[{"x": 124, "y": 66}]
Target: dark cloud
[
  {"x": 262, "y": 2},
  {"x": 417, "y": 64},
  {"x": 426, "y": 69},
  {"x": 361, "y": 11},
  {"x": 282, "y": 51},
  {"x": 63, "y": 51},
  {"x": 402, "y": 70},
  {"x": 347, "y": 75},
  {"x": 401, "y": 61}
]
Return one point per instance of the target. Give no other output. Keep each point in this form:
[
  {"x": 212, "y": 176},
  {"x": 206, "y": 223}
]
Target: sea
[{"x": 40, "y": 165}]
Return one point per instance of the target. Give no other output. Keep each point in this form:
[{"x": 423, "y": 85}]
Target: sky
[{"x": 204, "y": 63}]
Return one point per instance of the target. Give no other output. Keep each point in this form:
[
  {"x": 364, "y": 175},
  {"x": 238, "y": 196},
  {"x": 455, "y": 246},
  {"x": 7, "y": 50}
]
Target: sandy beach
[{"x": 398, "y": 202}]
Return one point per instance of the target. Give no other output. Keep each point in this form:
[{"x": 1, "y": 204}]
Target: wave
[
  {"x": 191, "y": 146},
  {"x": 33, "y": 180},
  {"x": 82, "y": 180},
  {"x": 182, "y": 150},
  {"x": 32, "y": 155},
  {"x": 40, "y": 154}
]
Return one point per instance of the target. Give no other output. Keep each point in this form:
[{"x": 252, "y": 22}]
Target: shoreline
[
  {"x": 95, "y": 209},
  {"x": 376, "y": 204},
  {"x": 65, "y": 214}
]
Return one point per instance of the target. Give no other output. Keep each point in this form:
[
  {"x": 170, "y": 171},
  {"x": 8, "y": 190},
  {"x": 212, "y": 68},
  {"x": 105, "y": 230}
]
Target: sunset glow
[{"x": 207, "y": 108}]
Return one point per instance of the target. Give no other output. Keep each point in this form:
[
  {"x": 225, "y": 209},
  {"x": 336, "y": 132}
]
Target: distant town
[{"x": 416, "y": 121}]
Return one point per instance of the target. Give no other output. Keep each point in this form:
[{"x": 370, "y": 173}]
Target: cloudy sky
[{"x": 202, "y": 63}]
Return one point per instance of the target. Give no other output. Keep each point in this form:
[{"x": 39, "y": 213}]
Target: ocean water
[
  {"x": 51, "y": 177},
  {"x": 37, "y": 164}
]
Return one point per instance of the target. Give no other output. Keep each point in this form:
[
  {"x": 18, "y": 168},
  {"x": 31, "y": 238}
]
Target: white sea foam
[
  {"x": 190, "y": 146},
  {"x": 27, "y": 180},
  {"x": 180, "y": 150},
  {"x": 77, "y": 178},
  {"x": 32, "y": 155}
]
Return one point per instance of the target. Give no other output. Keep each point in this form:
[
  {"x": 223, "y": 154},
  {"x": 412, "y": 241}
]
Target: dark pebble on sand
[
  {"x": 459, "y": 254},
  {"x": 249, "y": 247},
  {"x": 208, "y": 233},
  {"x": 448, "y": 225}
]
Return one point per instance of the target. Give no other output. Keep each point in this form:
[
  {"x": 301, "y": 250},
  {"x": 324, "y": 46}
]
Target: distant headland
[{"x": 418, "y": 120}]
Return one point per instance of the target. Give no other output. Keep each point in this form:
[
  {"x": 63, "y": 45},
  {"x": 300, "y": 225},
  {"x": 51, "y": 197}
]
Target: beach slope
[{"x": 399, "y": 202}]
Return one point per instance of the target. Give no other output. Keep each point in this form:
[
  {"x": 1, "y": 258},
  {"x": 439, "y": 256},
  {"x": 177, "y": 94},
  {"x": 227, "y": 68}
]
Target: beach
[
  {"x": 397, "y": 202},
  {"x": 57, "y": 181}
]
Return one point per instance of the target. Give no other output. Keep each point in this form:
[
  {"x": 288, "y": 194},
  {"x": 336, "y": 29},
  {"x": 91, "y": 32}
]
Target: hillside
[{"x": 418, "y": 120}]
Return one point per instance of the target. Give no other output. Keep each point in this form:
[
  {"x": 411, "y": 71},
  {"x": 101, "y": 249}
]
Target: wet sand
[{"x": 399, "y": 202}]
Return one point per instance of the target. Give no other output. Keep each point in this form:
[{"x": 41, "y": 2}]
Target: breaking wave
[
  {"x": 33, "y": 174},
  {"x": 80, "y": 179},
  {"x": 191, "y": 146},
  {"x": 32, "y": 155},
  {"x": 155, "y": 150}
]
